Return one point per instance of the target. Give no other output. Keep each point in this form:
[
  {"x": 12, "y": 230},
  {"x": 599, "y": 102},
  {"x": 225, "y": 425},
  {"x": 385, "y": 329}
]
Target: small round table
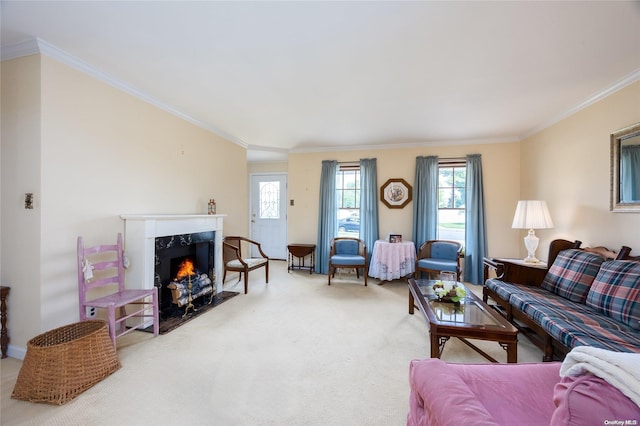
[
  {"x": 391, "y": 261},
  {"x": 301, "y": 251}
]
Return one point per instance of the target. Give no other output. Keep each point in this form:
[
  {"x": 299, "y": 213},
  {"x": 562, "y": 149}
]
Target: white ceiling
[{"x": 282, "y": 77}]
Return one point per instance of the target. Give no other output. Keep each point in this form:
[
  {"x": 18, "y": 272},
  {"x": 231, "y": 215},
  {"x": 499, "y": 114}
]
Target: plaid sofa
[{"x": 584, "y": 300}]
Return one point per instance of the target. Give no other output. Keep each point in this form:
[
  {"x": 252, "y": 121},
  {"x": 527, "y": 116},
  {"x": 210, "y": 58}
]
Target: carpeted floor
[{"x": 292, "y": 352}]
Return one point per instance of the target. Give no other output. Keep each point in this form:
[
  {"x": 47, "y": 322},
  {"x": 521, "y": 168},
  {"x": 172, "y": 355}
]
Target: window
[
  {"x": 348, "y": 200},
  {"x": 269, "y": 200},
  {"x": 451, "y": 201}
]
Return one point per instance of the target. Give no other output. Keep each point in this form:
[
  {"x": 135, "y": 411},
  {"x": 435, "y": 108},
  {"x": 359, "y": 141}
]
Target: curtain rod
[
  {"x": 442, "y": 159},
  {"x": 349, "y": 163},
  {"x": 452, "y": 159}
]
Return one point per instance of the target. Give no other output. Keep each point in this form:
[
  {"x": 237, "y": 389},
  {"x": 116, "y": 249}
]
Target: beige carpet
[{"x": 291, "y": 352}]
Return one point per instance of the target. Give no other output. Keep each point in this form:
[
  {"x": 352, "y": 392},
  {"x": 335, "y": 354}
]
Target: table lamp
[{"x": 532, "y": 214}]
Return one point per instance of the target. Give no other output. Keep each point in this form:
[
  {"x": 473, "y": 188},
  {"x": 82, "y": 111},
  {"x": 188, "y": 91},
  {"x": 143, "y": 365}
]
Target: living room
[{"x": 90, "y": 152}]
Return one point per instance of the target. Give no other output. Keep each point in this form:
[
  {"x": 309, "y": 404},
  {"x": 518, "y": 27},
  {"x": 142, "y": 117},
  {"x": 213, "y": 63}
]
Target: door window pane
[{"x": 270, "y": 200}]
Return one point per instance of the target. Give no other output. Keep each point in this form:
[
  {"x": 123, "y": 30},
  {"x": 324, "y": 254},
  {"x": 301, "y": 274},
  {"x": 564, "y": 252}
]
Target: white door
[{"x": 269, "y": 213}]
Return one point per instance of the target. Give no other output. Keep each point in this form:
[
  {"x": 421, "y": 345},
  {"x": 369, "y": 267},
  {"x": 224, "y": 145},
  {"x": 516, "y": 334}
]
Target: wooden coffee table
[{"x": 472, "y": 319}]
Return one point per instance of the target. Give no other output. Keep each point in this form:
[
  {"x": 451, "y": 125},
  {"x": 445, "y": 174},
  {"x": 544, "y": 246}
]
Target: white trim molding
[
  {"x": 35, "y": 46},
  {"x": 618, "y": 85}
]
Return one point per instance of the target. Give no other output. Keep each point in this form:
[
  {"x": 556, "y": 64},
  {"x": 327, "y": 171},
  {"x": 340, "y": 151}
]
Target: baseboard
[{"x": 16, "y": 352}]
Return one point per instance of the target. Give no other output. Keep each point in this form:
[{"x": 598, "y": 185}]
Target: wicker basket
[{"x": 64, "y": 362}]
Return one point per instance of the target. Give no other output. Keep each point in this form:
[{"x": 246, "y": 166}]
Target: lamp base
[{"x": 531, "y": 243}]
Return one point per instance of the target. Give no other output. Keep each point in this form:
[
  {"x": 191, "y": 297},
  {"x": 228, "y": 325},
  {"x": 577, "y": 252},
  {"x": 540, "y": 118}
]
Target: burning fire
[{"x": 185, "y": 269}]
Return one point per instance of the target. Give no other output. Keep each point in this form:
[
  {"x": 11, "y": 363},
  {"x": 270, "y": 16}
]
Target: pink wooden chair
[{"x": 102, "y": 266}]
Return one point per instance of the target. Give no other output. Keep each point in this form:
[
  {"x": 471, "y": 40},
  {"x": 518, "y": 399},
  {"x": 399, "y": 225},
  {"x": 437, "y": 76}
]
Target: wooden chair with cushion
[
  {"x": 437, "y": 256},
  {"x": 101, "y": 269},
  {"x": 235, "y": 262},
  {"x": 350, "y": 253}
]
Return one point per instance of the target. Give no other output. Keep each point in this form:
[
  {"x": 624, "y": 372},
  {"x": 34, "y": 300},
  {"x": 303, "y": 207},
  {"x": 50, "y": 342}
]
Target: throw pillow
[
  {"x": 616, "y": 292},
  {"x": 572, "y": 274}
]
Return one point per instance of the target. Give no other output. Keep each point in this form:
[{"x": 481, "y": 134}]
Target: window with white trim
[
  {"x": 452, "y": 178},
  {"x": 348, "y": 200}
]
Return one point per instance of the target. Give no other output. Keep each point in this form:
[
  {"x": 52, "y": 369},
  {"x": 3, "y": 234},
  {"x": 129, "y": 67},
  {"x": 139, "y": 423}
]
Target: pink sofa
[{"x": 518, "y": 394}]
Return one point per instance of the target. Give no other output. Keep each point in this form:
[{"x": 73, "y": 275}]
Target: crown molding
[
  {"x": 268, "y": 149},
  {"x": 35, "y": 46},
  {"x": 39, "y": 46},
  {"x": 18, "y": 50},
  {"x": 598, "y": 96},
  {"x": 419, "y": 144}
]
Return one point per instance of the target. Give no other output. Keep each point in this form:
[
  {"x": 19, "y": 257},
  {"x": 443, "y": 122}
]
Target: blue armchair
[
  {"x": 350, "y": 253},
  {"x": 436, "y": 256}
]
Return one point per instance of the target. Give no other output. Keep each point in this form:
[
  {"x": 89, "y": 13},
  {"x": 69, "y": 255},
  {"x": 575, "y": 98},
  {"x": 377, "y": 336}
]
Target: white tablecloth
[{"x": 390, "y": 261}]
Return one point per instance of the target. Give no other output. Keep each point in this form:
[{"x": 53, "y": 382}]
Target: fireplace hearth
[
  {"x": 158, "y": 244},
  {"x": 171, "y": 252}
]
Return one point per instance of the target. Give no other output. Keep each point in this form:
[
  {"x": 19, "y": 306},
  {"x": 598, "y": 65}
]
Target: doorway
[{"x": 268, "y": 213}]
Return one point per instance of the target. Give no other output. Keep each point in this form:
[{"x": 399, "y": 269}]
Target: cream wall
[
  {"x": 66, "y": 137},
  {"x": 104, "y": 153},
  {"x": 269, "y": 167},
  {"x": 500, "y": 163},
  {"x": 20, "y": 265},
  {"x": 568, "y": 165}
]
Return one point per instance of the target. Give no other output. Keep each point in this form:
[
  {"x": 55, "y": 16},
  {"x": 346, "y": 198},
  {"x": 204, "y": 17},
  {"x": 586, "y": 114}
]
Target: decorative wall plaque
[{"x": 396, "y": 193}]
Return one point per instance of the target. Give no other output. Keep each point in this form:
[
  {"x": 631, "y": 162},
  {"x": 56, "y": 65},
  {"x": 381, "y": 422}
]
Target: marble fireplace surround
[{"x": 139, "y": 240}]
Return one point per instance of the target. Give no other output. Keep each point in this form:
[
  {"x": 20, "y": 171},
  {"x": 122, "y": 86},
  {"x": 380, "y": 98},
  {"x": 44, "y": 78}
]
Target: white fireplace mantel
[{"x": 140, "y": 232}]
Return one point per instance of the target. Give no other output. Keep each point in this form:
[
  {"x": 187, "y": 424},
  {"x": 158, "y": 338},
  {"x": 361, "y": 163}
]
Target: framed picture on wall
[{"x": 395, "y": 193}]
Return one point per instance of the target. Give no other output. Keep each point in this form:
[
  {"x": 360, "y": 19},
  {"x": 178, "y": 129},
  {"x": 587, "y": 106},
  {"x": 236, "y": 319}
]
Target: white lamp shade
[{"x": 532, "y": 214}]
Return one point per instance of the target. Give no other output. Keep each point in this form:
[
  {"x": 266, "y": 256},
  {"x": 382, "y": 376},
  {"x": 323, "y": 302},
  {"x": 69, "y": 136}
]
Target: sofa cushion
[
  {"x": 587, "y": 399},
  {"x": 481, "y": 394},
  {"x": 572, "y": 334},
  {"x": 428, "y": 405},
  {"x": 572, "y": 274},
  {"x": 616, "y": 292},
  {"x": 541, "y": 303},
  {"x": 501, "y": 288}
]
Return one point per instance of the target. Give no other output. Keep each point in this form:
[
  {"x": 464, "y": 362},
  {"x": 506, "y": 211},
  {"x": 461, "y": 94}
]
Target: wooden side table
[
  {"x": 4, "y": 334},
  {"x": 518, "y": 271},
  {"x": 301, "y": 251}
]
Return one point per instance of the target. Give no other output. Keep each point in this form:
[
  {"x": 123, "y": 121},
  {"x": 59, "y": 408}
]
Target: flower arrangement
[{"x": 449, "y": 291}]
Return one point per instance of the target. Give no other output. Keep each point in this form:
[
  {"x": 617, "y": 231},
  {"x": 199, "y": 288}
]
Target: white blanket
[{"x": 620, "y": 369}]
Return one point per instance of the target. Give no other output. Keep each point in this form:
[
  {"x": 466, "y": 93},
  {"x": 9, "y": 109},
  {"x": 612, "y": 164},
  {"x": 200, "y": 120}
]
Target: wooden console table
[
  {"x": 4, "y": 334},
  {"x": 301, "y": 251}
]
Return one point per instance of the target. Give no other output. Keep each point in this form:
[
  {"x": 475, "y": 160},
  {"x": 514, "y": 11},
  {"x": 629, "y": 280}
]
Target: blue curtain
[
  {"x": 327, "y": 218},
  {"x": 476, "y": 227},
  {"x": 368, "y": 203},
  {"x": 425, "y": 200},
  {"x": 630, "y": 174}
]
